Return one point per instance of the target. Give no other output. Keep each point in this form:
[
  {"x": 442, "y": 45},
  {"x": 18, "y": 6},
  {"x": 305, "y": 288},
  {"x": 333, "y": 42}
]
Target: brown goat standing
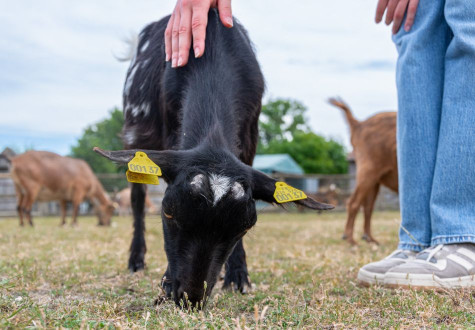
[
  {"x": 46, "y": 176},
  {"x": 374, "y": 147}
]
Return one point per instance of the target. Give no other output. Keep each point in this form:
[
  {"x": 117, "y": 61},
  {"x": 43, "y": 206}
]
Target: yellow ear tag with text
[
  {"x": 285, "y": 193},
  {"x": 143, "y": 170}
]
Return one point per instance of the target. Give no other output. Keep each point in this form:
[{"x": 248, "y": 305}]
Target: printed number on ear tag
[
  {"x": 285, "y": 193},
  {"x": 142, "y": 164},
  {"x": 143, "y": 170},
  {"x": 142, "y": 178}
]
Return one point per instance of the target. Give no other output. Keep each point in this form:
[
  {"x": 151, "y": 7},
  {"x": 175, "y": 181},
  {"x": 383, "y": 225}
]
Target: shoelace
[{"x": 430, "y": 254}]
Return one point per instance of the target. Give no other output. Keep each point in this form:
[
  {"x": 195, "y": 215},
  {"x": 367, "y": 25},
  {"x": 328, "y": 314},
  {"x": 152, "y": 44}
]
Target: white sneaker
[
  {"x": 373, "y": 273},
  {"x": 443, "y": 266}
]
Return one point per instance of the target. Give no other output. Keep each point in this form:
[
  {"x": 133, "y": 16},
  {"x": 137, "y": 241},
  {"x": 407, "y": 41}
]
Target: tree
[
  {"x": 280, "y": 119},
  {"x": 283, "y": 129},
  {"x": 104, "y": 134}
]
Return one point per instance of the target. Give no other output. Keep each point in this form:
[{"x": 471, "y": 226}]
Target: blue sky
[{"x": 58, "y": 73}]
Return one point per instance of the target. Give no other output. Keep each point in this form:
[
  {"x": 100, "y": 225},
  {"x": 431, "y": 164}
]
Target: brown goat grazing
[
  {"x": 46, "y": 176},
  {"x": 374, "y": 146},
  {"x": 125, "y": 206}
]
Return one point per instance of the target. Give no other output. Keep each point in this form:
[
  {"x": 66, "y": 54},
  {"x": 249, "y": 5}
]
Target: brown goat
[
  {"x": 125, "y": 206},
  {"x": 46, "y": 176},
  {"x": 374, "y": 147}
]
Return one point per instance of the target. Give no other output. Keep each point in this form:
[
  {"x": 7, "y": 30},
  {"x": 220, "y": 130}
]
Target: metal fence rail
[{"x": 334, "y": 189}]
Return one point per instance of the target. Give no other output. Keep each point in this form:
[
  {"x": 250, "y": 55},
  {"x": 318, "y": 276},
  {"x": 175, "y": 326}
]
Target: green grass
[{"x": 304, "y": 276}]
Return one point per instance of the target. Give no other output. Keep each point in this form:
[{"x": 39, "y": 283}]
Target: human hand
[
  {"x": 395, "y": 10},
  {"x": 189, "y": 20}
]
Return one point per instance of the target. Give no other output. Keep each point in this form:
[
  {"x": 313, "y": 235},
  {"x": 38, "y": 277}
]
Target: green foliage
[
  {"x": 104, "y": 134},
  {"x": 283, "y": 129},
  {"x": 313, "y": 153},
  {"x": 280, "y": 119}
]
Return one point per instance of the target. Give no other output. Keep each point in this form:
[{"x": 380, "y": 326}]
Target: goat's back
[
  {"x": 375, "y": 138},
  {"x": 57, "y": 176},
  {"x": 155, "y": 95}
]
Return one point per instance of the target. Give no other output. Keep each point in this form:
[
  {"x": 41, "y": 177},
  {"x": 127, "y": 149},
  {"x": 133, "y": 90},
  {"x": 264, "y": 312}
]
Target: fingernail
[
  {"x": 167, "y": 58},
  {"x": 197, "y": 52},
  {"x": 180, "y": 61},
  {"x": 229, "y": 21},
  {"x": 407, "y": 28},
  {"x": 174, "y": 62}
]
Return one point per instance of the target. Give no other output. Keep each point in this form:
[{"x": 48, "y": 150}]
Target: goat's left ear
[
  {"x": 167, "y": 160},
  {"x": 264, "y": 188}
]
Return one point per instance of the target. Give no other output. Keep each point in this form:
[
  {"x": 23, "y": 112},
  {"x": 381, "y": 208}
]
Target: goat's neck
[
  {"x": 100, "y": 196},
  {"x": 210, "y": 119}
]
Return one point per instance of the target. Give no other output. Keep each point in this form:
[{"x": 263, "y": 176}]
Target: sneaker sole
[
  {"x": 367, "y": 278},
  {"x": 427, "y": 281}
]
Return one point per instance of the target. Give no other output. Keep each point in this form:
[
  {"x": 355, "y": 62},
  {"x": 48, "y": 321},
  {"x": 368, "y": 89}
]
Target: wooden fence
[{"x": 334, "y": 188}]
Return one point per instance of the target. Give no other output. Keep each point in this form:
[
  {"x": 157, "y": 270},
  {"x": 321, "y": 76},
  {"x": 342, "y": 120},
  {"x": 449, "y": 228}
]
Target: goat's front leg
[
  {"x": 138, "y": 247},
  {"x": 237, "y": 277}
]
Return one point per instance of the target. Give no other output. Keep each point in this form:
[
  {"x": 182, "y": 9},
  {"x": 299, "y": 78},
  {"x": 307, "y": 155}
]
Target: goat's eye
[{"x": 168, "y": 216}]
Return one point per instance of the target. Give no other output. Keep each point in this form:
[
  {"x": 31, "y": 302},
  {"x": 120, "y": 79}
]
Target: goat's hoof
[
  {"x": 136, "y": 266},
  {"x": 369, "y": 239},
  {"x": 344, "y": 237},
  {"x": 237, "y": 281}
]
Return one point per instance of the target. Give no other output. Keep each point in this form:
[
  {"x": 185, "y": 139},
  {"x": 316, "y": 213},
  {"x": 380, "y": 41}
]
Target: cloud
[{"x": 59, "y": 73}]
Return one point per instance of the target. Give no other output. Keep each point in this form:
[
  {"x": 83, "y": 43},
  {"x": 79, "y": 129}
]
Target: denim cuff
[
  {"x": 452, "y": 239},
  {"x": 412, "y": 246}
]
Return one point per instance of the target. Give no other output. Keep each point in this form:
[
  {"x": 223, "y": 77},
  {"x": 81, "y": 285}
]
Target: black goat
[{"x": 204, "y": 120}]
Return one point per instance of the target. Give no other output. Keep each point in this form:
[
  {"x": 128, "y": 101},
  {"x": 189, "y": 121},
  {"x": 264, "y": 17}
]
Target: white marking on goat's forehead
[
  {"x": 237, "y": 190},
  {"x": 220, "y": 185},
  {"x": 198, "y": 181}
]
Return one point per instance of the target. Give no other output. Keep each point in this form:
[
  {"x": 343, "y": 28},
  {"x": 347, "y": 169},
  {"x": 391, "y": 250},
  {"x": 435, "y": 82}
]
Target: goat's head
[
  {"x": 208, "y": 206},
  {"x": 105, "y": 213}
]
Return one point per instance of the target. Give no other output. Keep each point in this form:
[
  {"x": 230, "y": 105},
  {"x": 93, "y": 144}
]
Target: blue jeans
[{"x": 436, "y": 125}]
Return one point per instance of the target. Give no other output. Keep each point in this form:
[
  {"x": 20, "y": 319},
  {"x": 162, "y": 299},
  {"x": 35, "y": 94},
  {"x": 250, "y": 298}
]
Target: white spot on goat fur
[
  {"x": 198, "y": 181},
  {"x": 237, "y": 190},
  {"x": 144, "y": 46},
  {"x": 144, "y": 63},
  {"x": 219, "y": 185},
  {"x": 129, "y": 81},
  {"x": 143, "y": 108},
  {"x": 129, "y": 137}
]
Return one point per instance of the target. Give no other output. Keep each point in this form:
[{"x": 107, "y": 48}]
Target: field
[{"x": 302, "y": 272}]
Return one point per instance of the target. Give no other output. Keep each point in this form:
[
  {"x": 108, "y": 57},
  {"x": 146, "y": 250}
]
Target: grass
[{"x": 303, "y": 276}]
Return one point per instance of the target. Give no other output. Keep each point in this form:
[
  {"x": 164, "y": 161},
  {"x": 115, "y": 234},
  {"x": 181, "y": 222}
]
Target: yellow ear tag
[
  {"x": 285, "y": 193},
  {"x": 143, "y": 170},
  {"x": 142, "y": 178}
]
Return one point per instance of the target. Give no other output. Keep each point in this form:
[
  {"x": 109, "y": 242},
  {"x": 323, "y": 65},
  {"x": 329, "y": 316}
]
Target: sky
[{"x": 59, "y": 74}]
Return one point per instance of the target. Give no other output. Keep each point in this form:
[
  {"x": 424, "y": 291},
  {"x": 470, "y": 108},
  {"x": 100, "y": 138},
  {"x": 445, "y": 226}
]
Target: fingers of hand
[
  {"x": 184, "y": 33},
  {"x": 399, "y": 15},
  {"x": 390, "y": 11},
  {"x": 198, "y": 28},
  {"x": 175, "y": 37},
  {"x": 411, "y": 14},
  {"x": 168, "y": 39},
  {"x": 225, "y": 12},
  {"x": 381, "y": 7}
]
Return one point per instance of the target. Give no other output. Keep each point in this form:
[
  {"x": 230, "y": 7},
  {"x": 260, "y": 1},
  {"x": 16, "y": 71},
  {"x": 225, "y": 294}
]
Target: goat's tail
[
  {"x": 131, "y": 43},
  {"x": 338, "y": 102}
]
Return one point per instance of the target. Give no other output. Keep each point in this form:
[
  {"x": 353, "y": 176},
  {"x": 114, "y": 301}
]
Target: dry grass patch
[{"x": 303, "y": 275}]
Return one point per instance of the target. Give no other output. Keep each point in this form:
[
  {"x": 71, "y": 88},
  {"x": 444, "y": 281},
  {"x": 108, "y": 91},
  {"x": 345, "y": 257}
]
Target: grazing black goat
[{"x": 199, "y": 124}]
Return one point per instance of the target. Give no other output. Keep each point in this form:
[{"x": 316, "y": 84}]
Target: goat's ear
[
  {"x": 167, "y": 160},
  {"x": 264, "y": 188}
]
